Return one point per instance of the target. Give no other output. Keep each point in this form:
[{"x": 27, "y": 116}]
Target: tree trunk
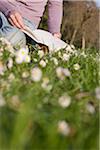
[
  {"x": 83, "y": 42},
  {"x": 73, "y": 37}
]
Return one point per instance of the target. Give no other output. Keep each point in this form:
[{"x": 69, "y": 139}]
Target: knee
[
  {"x": 12, "y": 34},
  {"x": 17, "y": 38}
]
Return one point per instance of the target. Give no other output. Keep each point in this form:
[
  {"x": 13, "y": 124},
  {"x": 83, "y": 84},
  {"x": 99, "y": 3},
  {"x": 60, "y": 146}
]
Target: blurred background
[
  {"x": 80, "y": 25},
  {"x": 61, "y": 110}
]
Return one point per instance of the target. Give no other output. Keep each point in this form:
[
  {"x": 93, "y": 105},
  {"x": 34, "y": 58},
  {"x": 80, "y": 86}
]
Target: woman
[{"x": 28, "y": 12}]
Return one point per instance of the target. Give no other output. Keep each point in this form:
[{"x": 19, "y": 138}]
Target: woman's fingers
[
  {"x": 19, "y": 20},
  {"x": 16, "y": 19},
  {"x": 11, "y": 21},
  {"x": 57, "y": 35}
]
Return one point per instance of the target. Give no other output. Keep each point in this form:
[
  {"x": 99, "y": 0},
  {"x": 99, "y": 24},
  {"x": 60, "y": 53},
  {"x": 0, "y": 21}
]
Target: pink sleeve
[
  {"x": 55, "y": 11},
  {"x": 5, "y": 7}
]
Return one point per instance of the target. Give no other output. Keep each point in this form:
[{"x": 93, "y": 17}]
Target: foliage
[{"x": 60, "y": 111}]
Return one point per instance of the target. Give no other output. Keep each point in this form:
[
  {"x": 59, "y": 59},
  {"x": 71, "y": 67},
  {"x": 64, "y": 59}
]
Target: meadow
[{"x": 49, "y": 101}]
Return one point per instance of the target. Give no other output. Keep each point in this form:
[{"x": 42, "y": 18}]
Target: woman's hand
[
  {"x": 16, "y": 19},
  {"x": 57, "y": 35}
]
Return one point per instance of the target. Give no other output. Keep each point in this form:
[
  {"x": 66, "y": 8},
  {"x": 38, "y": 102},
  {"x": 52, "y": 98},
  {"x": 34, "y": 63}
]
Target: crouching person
[{"x": 21, "y": 13}]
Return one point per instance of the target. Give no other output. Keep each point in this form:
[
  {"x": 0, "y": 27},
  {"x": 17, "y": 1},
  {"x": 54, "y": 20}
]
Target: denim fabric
[{"x": 15, "y": 36}]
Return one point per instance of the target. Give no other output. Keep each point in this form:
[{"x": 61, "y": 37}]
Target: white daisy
[
  {"x": 27, "y": 59},
  {"x": 76, "y": 66},
  {"x": 69, "y": 49},
  {"x": 42, "y": 63},
  {"x": 64, "y": 101},
  {"x": 19, "y": 59},
  {"x": 59, "y": 73},
  {"x": 15, "y": 102},
  {"x": 10, "y": 63},
  {"x": 62, "y": 73},
  {"x": 25, "y": 74},
  {"x": 97, "y": 93},
  {"x": 59, "y": 54},
  {"x": 36, "y": 74},
  {"x": 64, "y": 128},
  {"x": 40, "y": 53},
  {"x": 2, "y": 68},
  {"x": 46, "y": 60},
  {"x": 22, "y": 56},
  {"x": 45, "y": 84},
  {"x": 65, "y": 57},
  {"x": 90, "y": 108},
  {"x": 11, "y": 77},
  {"x": 55, "y": 60},
  {"x": 66, "y": 72},
  {"x": 8, "y": 45},
  {"x": 22, "y": 52}
]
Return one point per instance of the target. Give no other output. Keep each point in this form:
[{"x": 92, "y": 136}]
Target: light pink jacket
[{"x": 33, "y": 10}]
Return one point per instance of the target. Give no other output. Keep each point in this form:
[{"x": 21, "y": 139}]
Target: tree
[
  {"x": 90, "y": 26},
  {"x": 80, "y": 23}
]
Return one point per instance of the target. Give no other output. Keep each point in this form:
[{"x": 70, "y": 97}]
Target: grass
[{"x": 30, "y": 116}]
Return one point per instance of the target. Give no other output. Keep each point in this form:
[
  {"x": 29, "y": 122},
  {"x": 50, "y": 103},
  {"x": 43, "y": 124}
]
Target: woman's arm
[
  {"x": 13, "y": 16},
  {"x": 55, "y": 11},
  {"x": 5, "y": 7}
]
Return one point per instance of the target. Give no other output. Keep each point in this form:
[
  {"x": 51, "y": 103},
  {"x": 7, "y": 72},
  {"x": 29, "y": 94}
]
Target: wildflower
[
  {"x": 19, "y": 59},
  {"x": 63, "y": 128},
  {"x": 46, "y": 81},
  {"x": 10, "y": 63},
  {"x": 22, "y": 56},
  {"x": 46, "y": 60},
  {"x": 45, "y": 84},
  {"x": 8, "y": 45},
  {"x": 4, "y": 41},
  {"x": 64, "y": 101},
  {"x": 62, "y": 73},
  {"x": 42, "y": 63},
  {"x": 22, "y": 51},
  {"x": 65, "y": 57},
  {"x": 36, "y": 74},
  {"x": 1, "y": 54},
  {"x": 66, "y": 72},
  {"x": 59, "y": 54},
  {"x": 55, "y": 60},
  {"x": 25, "y": 74},
  {"x": 1, "y": 49},
  {"x": 2, "y": 101},
  {"x": 59, "y": 73},
  {"x": 40, "y": 53},
  {"x": 27, "y": 59},
  {"x": 68, "y": 48},
  {"x": 11, "y": 77},
  {"x": 15, "y": 102},
  {"x": 97, "y": 92},
  {"x": 90, "y": 108},
  {"x": 76, "y": 66}
]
